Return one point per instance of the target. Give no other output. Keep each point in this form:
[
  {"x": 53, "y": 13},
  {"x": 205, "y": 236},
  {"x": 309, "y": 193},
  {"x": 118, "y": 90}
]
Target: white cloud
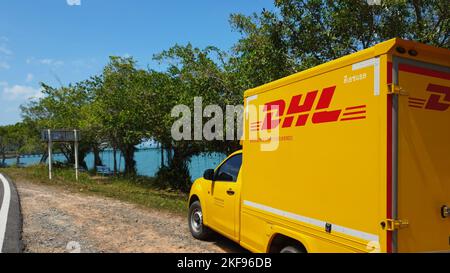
[
  {"x": 45, "y": 61},
  {"x": 5, "y": 50},
  {"x": 51, "y": 62},
  {"x": 29, "y": 78},
  {"x": 4, "y": 65},
  {"x": 73, "y": 2},
  {"x": 5, "y": 53},
  {"x": 20, "y": 92},
  {"x": 84, "y": 63}
]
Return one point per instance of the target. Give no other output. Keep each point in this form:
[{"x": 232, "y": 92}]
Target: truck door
[
  {"x": 224, "y": 191},
  {"x": 423, "y": 187}
]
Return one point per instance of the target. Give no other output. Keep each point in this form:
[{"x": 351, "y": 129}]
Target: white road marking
[
  {"x": 4, "y": 209},
  {"x": 315, "y": 222}
]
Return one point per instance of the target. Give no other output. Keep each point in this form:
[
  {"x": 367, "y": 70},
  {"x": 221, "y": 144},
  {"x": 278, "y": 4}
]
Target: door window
[{"x": 229, "y": 170}]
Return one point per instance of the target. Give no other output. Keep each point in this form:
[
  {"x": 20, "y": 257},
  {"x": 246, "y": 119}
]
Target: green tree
[
  {"x": 18, "y": 139},
  {"x": 192, "y": 72},
  {"x": 120, "y": 107},
  {"x": 7, "y": 141},
  {"x": 64, "y": 108},
  {"x": 262, "y": 54},
  {"x": 301, "y": 34}
]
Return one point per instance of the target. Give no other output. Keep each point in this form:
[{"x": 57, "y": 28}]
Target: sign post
[
  {"x": 51, "y": 136},
  {"x": 49, "y": 154},
  {"x": 75, "y": 134}
]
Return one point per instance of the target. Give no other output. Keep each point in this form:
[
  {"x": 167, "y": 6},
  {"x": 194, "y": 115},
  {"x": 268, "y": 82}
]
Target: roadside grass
[{"x": 138, "y": 190}]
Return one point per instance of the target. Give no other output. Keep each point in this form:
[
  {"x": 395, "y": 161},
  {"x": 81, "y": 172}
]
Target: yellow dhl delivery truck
[{"x": 349, "y": 156}]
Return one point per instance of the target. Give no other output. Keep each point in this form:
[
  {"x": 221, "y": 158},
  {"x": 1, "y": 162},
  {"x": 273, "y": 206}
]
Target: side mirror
[{"x": 208, "y": 174}]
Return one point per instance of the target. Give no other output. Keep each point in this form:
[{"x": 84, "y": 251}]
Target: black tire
[
  {"x": 195, "y": 221},
  {"x": 291, "y": 249}
]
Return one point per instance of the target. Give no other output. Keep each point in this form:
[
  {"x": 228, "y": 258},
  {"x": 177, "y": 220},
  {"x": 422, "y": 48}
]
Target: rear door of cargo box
[{"x": 423, "y": 188}]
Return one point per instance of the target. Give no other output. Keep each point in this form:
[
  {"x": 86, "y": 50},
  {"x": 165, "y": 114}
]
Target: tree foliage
[{"x": 301, "y": 34}]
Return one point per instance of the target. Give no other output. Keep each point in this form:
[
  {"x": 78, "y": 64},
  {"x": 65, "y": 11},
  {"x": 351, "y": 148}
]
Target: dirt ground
[{"x": 56, "y": 220}]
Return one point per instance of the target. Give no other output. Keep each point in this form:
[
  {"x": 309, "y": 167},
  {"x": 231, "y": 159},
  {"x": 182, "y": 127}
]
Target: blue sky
[{"x": 55, "y": 41}]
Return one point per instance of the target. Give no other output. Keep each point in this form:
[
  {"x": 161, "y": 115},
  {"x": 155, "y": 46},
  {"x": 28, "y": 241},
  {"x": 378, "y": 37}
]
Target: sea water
[{"x": 148, "y": 161}]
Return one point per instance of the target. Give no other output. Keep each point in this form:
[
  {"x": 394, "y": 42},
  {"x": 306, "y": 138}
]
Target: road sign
[
  {"x": 51, "y": 136},
  {"x": 60, "y": 135}
]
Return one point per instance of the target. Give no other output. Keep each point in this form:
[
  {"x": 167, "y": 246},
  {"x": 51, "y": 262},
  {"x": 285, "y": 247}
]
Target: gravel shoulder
[{"x": 56, "y": 220}]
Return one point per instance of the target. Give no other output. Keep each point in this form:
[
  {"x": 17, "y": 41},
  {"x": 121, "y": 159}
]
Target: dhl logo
[
  {"x": 298, "y": 112},
  {"x": 434, "y": 100}
]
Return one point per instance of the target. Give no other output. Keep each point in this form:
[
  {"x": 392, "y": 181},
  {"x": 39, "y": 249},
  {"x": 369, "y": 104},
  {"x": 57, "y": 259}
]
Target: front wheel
[{"x": 198, "y": 230}]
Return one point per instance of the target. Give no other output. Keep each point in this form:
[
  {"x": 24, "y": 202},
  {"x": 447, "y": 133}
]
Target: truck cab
[
  {"x": 215, "y": 206},
  {"x": 214, "y": 200}
]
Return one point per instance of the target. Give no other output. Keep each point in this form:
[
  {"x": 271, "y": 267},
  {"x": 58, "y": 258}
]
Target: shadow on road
[{"x": 227, "y": 245}]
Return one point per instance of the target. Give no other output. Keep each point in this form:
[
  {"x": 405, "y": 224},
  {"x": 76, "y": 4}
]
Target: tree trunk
[
  {"x": 97, "y": 158},
  {"x": 162, "y": 156},
  {"x": 128, "y": 155},
  {"x": 67, "y": 154},
  {"x": 179, "y": 164},
  {"x": 169, "y": 151},
  {"x": 81, "y": 161},
  {"x": 44, "y": 158},
  {"x": 115, "y": 159}
]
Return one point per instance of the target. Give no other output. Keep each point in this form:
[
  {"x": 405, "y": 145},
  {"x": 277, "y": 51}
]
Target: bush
[{"x": 174, "y": 177}]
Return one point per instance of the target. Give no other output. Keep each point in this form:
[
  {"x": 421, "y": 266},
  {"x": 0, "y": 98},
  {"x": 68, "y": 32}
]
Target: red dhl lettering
[
  {"x": 300, "y": 110},
  {"x": 439, "y": 100}
]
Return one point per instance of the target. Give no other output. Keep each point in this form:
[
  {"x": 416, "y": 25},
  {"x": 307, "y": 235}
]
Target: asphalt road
[{"x": 10, "y": 217}]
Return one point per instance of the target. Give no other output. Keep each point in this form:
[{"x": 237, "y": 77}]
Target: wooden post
[
  {"x": 76, "y": 153},
  {"x": 49, "y": 154}
]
